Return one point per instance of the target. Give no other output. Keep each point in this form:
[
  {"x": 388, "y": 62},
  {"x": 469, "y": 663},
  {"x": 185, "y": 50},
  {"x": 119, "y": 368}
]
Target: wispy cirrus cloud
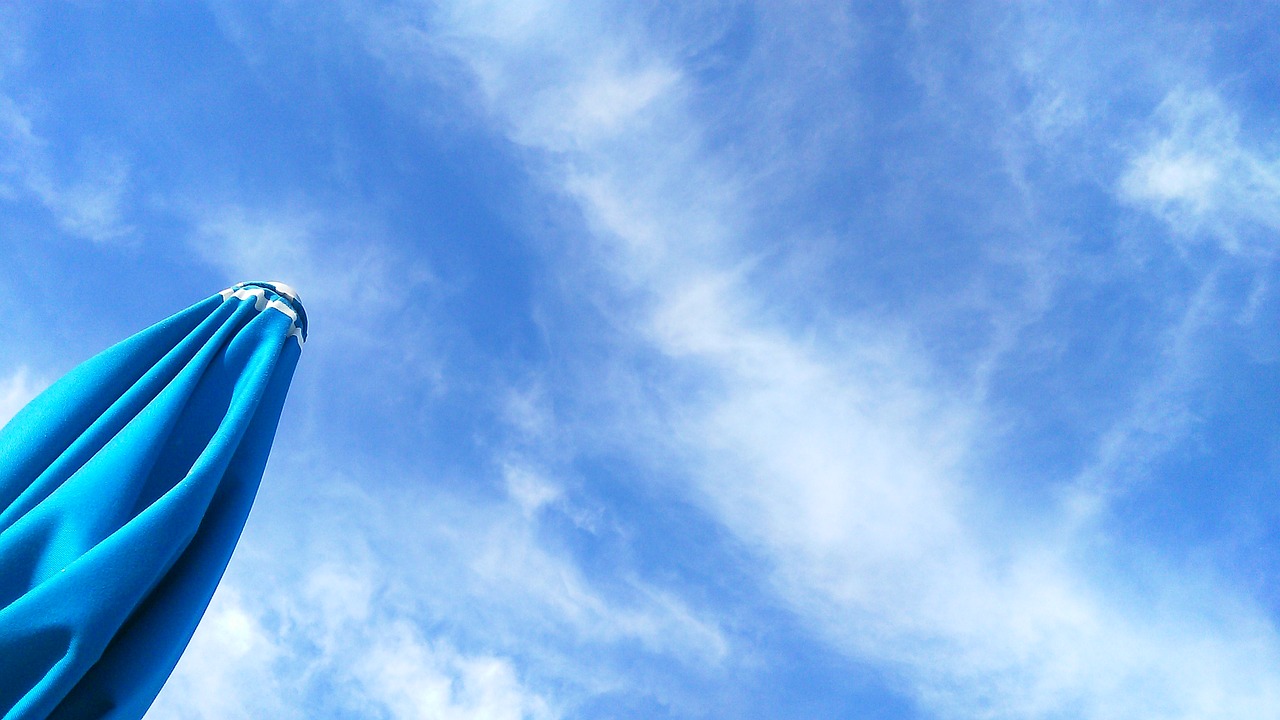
[
  {"x": 837, "y": 451},
  {"x": 89, "y": 201},
  {"x": 309, "y": 247}
]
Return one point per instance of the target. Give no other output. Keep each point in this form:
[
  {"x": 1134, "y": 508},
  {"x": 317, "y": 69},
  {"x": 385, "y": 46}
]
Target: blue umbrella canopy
[{"x": 123, "y": 490}]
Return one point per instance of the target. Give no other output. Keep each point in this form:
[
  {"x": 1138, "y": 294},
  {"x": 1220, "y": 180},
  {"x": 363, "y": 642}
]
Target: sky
[{"x": 696, "y": 360}]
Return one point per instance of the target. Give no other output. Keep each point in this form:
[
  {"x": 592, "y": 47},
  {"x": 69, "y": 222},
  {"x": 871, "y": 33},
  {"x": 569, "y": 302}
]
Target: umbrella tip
[
  {"x": 285, "y": 292},
  {"x": 283, "y": 289}
]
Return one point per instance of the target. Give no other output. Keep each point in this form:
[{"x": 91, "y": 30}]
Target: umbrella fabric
[{"x": 123, "y": 490}]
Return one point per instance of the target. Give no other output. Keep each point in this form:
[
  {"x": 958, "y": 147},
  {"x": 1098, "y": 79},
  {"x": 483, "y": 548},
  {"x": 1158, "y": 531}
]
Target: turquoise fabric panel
[{"x": 123, "y": 490}]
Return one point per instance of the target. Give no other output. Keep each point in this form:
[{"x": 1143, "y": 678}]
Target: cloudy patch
[
  {"x": 90, "y": 201},
  {"x": 269, "y": 652},
  {"x": 1199, "y": 172},
  {"x": 16, "y": 391}
]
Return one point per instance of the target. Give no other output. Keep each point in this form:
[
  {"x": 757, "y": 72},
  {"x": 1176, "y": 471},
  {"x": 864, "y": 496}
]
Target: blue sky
[{"x": 716, "y": 360}]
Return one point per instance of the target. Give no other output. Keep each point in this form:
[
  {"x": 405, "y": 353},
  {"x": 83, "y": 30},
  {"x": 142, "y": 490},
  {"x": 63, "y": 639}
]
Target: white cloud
[
  {"x": 528, "y": 489},
  {"x": 93, "y": 204},
  {"x": 90, "y": 203},
  {"x": 262, "y": 654},
  {"x": 305, "y": 247},
  {"x": 566, "y": 91},
  {"x": 608, "y": 101},
  {"x": 230, "y": 669},
  {"x": 840, "y": 457},
  {"x": 1184, "y": 177},
  {"x": 501, "y": 553},
  {"x": 418, "y": 680},
  {"x": 16, "y": 391},
  {"x": 528, "y": 412},
  {"x": 415, "y": 604},
  {"x": 1198, "y": 170},
  {"x": 1159, "y": 414}
]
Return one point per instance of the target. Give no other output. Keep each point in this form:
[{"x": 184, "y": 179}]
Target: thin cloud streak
[{"x": 90, "y": 204}]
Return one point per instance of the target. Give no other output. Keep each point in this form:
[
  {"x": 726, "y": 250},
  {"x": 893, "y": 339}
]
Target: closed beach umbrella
[{"x": 123, "y": 491}]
